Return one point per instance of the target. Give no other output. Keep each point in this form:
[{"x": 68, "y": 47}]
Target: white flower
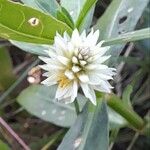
[{"x": 75, "y": 62}]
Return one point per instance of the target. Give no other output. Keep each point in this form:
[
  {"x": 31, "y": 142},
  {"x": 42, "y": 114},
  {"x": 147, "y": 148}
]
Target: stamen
[
  {"x": 83, "y": 78},
  {"x": 69, "y": 74},
  {"x": 83, "y": 62},
  {"x": 74, "y": 60},
  {"x": 76, "y": 69},
  {"x": 80, "y": 56}
]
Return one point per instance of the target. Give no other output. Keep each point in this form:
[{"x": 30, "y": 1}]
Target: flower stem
[
  {"x": 132, "y": 117},
  {"x": 77, "y": 107}
]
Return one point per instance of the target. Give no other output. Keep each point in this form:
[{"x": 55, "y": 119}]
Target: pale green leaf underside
[
  {"x": 40, "y": 101},
  {"x": 89, "y": 131}
]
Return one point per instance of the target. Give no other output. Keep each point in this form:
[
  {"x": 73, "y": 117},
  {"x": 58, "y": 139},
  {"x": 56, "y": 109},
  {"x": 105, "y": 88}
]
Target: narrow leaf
[
  {"x": 129, "y": 37},
  {"x": 81, "y": 12},
  {"x": 84, "y": 12},
  {"x": 89, "y": 131}
]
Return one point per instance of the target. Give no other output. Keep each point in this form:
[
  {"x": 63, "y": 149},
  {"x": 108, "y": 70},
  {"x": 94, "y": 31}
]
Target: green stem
[
  {"x": 132, "y": 117},
  {"x": 76, "y": 107}
]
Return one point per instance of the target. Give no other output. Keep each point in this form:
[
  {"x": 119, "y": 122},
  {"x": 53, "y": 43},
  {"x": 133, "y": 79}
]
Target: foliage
[{"x": 33, "y": 29}]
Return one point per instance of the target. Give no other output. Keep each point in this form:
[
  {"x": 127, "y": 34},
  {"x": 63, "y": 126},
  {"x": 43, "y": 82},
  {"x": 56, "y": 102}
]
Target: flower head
[{"x": 75, "y": 62}]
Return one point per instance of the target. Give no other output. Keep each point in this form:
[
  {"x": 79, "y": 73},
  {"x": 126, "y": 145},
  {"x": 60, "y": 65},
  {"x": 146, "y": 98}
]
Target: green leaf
[
  {"x": 120, "y": 17},
  {"x": 81, "y": 12},
  {"x": 89, "y": 131},
  {"x": 73, "y": 6},
  {"x": 23, "y": 26},
  {"x": 3, "y": 146},
  {"x": 37, "y": 49},
  {"x": 65, "y": 17},
  {"x": 6, "y": 70},
  {"x": 46, "y": 6},
  {"x": 87, "y": 21},
  {"x": 40, "y": 101},
  {"x": 84, "y": 12},
  {"x": 129, "y": 37}
]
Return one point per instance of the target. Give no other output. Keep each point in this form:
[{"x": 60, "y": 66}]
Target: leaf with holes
[
  {"x": 120, "y": 17},
  {"x": 144, "y": 45},
  {"x": 40, "y": 101},
  {"x": 90, "y": 130},
  {"x": 28, "y": 25},
  {"x": 129, "y": 37}
]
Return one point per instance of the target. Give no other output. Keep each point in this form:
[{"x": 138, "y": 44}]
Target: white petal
[
  {"x": 69, "y": 74},
  {"x": 75, "y": 39},
  {"x": 102, "y": 88},
  {"x": 74, "y": 60},
  {"x": 66, "y": 36},
  {"x": 74, "y": 91},
  {"x": 83, "y": 35},
  {"x": 99, "y": 50},
  {"x": 62, "y": 91},
  {"x": 76, "y": 69},
  {"x": 107, "y": 71},
  {"x": 50, "y": 80},
  {"x": 92, "y": 38},
  {"x": 63, "y": 60},
  {"x": 51, "y": 66},
  {"x": 100, "y": 59},
  {"x": 96, "y": 67},
  {"x": 51, "y": 51},
  {"x": 60, "y": 43},
  {"x": 105, "y": 77},
  {"x": 70, "y": 48},
  {"x": 89, "y": 93},
  {"x": 45, "y": 59},
  {"x": 83, "y": 62},
  {"x": 96, "y": 78},
  {"x": 47, "y": 74},
  {"x": 83, "y": 78}
]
